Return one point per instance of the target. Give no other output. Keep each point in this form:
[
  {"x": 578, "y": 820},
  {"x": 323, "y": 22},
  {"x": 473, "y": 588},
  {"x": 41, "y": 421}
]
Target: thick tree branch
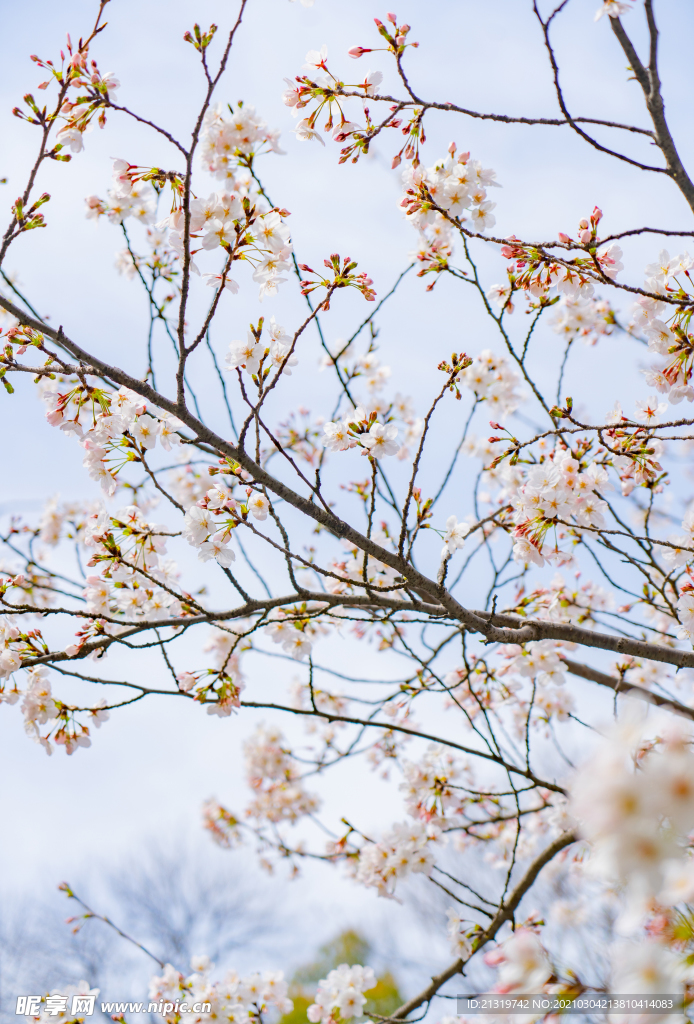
[
  {"x": 504, "y": 914},
  {"x": 649, "y": 81},
  {"x": 518, "y": 630}
]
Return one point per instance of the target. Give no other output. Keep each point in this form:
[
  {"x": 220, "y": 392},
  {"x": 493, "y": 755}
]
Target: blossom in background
[{"x": 341, "y": 992}]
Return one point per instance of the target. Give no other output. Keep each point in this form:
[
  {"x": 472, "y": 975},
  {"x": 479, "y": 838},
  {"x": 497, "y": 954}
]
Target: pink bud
[
  {"x": 597, "y": 214},
  {"x": 585, "y": 237},
  {"x": 563, "y": 237},
  {"x": 358, "y": 51},
  {"x": 397, "y": 160},
  {"x": 392, "y": 18}
]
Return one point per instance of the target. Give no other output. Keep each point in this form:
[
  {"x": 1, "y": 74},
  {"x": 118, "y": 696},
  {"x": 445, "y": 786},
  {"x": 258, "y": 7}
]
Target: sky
[{"x": 148, "y": 772}]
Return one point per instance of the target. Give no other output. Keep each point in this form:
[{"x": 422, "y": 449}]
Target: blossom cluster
[
  {"x": 258, "y": 358},
  {"x": 405, "y": 849},
  {"x": 634, "y": 800},
  {"x": 535, "y": 272},
  {"x": 566, "y": 602},
  {"x": 492, "y": 380},
  {"x": 237, "y": 219},
  {"x": 585, "y": 318},
  {"x": 353, "y": 568},
  {"x": 274, "y": 777},
  {"x": 41, "y": 709},
  {"x": 129, "y": 196},
  {"x": 363, "y": 430},
  {"x": 524, "y": 966},
  {"x": 431, "y": 785},
  {"x": 540, "y": 661},
  {"x": 435, "y": 199},
  {"x": 113, "y": 427},
  {"x": 239, "y": 1000},
  {"x": 320, "y": 85},
  {"x": 666, "y": 326},
  {"x": 231, "y": 141},
  {"x": 295, "y": 629},
  {"x": 95, "y": 92},
  {"x": 209, "y": 523},
  {"x": 458, "y": 933},
  {"x": 556, "y": 490},
  {"x": 341, "y": 995}
]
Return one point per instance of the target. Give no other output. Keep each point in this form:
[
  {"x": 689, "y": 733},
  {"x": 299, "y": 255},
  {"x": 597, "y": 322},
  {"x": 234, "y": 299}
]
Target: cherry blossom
[
  {"x": 226, "y": 527},
  {"x": 340, "y": 995}
]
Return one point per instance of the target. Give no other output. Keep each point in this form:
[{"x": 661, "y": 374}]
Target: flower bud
[{"x": 358, "y": 51}]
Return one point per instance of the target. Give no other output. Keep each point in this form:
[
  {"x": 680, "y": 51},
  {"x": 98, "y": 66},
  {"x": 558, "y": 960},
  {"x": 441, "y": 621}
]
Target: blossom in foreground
[
  {"x": 524, "y": 966},
  {"x": 305, "y": 133},
  {"x": 635, "y": 803},
  {"x": 337, "y": 437},
  {"x": 380, "y": 440},
  {"x": 614, "y": 8},
  {"x": 454, "y": 537}
]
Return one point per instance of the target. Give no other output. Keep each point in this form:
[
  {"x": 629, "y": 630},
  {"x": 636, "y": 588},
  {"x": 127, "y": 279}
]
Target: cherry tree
[{"x": 312, "y": 534}]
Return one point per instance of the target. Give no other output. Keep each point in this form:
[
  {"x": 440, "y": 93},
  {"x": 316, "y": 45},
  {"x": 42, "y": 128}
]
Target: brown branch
[
  {"x": 519, "y": 631},
  {"x": 629, "y": 689},
  {"x": 417, "y": 733},
  {"x": 649, "y": 81},
  {"x": 564, "y": 109},
  {"x": 504, "y": 914},
  {"x": 504, "y": 118}
]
